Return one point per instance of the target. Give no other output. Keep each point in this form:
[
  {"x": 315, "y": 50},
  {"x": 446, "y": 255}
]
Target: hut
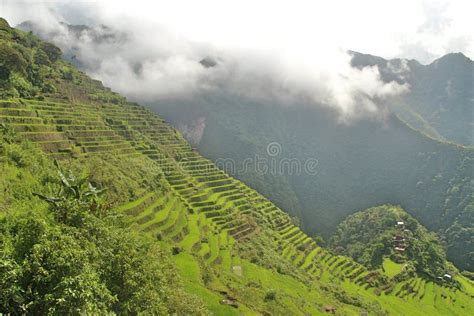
[
  {"x": 398, "y": 238},
  {"x": 447, "y": 277}
]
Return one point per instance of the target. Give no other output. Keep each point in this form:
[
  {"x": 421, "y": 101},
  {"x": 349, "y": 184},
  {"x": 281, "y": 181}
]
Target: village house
[
  {"x": 398, "y": 238},
  {"x": 447, "y": 277}
]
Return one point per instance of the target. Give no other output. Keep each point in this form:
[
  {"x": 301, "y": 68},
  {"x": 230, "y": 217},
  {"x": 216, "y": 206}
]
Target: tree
[
  {"x": 4, "y": 73},
  {"x": 377, "y": 254},
  {"x": 52, "y": 51},
  {"x": 11, "y": 60},
  {"x": 75, "y": 196},
  {"x": 41, "y": 58},
  {"x": 4, "y": 25},
  {"x": 8, "y": 133}
]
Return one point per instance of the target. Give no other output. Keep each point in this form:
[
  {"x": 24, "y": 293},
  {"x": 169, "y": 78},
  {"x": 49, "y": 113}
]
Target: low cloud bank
[{"x": 149, "y": 61}]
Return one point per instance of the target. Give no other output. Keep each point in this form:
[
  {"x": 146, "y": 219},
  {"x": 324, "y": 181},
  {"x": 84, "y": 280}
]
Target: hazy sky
[
  {"x": 270, "y": 49},
  {"x": 423, "y": 30}
]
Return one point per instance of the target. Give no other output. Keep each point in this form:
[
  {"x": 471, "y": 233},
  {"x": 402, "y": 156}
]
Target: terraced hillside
[
  {"x": 214, "y": 222},
  {"x": 233, "y": 248},
  {"x": 361, "y": 164}
]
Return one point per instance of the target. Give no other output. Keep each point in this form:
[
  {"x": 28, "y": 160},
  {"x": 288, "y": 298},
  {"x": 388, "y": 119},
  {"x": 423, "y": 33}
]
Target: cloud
[{"x": 278, "y": 50}]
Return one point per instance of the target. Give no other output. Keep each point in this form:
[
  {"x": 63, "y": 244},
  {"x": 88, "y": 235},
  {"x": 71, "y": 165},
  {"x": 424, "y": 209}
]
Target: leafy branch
[
  {"x": 8, "y": 133},
  {"x": 74, "y": 196}
]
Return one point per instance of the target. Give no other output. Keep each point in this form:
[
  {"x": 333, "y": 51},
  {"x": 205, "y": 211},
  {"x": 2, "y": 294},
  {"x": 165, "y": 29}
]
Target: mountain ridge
[{"x": 448, "y": 79}]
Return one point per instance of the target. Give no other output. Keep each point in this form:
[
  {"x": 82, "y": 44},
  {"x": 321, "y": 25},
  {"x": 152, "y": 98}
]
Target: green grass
[
  {"x": 213, "y": 247},
  {"x": 391, "y": 268},
  {"x": 191, "y": 274},
  {"x": 193, "y": 236},
  {"x": 135, "y": 203}
]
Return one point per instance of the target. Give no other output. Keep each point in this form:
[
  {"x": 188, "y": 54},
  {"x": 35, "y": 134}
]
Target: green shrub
[
  {"x": 48, "y": 88},
  {"x": 176, "y": 250},
  {"x": 26, "y": 53},
  {"x": 41, "y": 58},
  {"x": 66, "y": 74},
  {"x": 23, "y": 86},
  {"x": 8, "y": 133},
  {"x": 11, "y": 59},
  {"x": 4, "y": 73},
  {"x": 270, "y": 295},
  {"x": 4, "y": 25},
  {"x": 52, "y": 51}
]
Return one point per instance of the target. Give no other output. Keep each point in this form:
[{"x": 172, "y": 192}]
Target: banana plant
[{"x": 74, "y": 192}]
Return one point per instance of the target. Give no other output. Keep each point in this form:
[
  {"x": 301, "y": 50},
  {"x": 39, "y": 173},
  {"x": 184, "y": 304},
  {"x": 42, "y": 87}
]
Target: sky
[
  {"x": 268, "y": 48},
  {"x": 422, "y": 30}
]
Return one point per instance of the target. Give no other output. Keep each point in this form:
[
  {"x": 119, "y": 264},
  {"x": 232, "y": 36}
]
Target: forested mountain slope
[
  {"x": 360, "y": 164},
  {"x": 440, "y": 101}
]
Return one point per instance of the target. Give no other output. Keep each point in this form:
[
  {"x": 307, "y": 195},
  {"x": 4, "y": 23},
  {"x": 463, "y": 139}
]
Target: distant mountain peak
[{"x": 452, "y": 58}]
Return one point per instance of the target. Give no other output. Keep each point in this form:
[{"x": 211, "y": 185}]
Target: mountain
[
  {"x": 441, "y": 97},
  {"x": 366, "y": 163},
  {"x": 359, "y": 165},
  {"x": 107, "y": 209},
  {"x": 439, "y": 103}
]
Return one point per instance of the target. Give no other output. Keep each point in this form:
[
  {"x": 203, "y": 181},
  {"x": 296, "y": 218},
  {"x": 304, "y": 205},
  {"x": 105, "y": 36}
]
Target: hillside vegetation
[
  {"x": 75, "y": 255},
  {"x": 172, "y": 234},
  {"x": 361, "y": 164},
  {"x": 389, "y": 232},
  {"x": 440, "y": 100}
]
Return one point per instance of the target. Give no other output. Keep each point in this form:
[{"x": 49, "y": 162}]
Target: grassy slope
[{"x": 391, "y": 268}]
